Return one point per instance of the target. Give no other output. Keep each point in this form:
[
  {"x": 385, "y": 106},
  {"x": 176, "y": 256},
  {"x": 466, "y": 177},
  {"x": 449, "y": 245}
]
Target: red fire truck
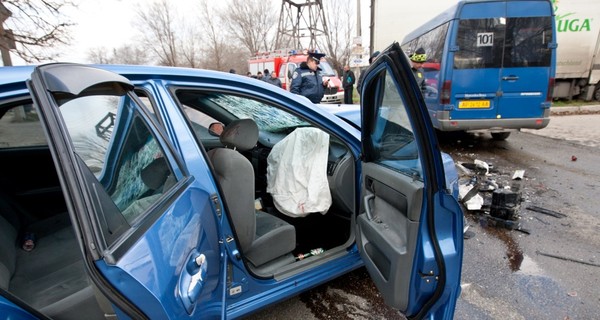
[{"x": 284, "y": 62}]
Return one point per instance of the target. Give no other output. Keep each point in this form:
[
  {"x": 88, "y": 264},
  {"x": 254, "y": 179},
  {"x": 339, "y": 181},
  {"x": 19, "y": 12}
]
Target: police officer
[
  {"x": 307, "y": 81},
  {"x": 416, "y": 60}
]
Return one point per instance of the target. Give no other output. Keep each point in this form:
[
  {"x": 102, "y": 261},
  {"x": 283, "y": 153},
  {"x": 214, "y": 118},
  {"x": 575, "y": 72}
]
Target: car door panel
[
  {"x": 144, "y": 220},
  {"x": 402, "y": 223},
  {"x": 390, "y": 223}
]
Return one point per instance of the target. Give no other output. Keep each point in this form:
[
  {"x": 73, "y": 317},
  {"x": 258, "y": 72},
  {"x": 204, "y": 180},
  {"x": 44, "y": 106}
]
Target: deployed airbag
[{"x": 297, "y": 173}]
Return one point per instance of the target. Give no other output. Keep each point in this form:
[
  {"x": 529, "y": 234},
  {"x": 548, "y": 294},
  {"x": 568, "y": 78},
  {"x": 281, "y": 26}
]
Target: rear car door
[
  {"x": 527, "y": 66},
  {"x": 148, "y": 229},
  {"x": 409, "y": 230}
]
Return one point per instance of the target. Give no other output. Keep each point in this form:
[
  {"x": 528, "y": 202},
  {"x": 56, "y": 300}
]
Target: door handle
[
  {"x": 197, "y": 279},
  {"x": 367, "y": 200},
  {"x": 510, "y": 78}
]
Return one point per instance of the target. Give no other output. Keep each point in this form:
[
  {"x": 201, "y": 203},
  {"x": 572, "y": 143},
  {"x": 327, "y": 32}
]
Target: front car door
[
  {"x": 409, "y": 227},
  {"x": 147, "y": 228}
]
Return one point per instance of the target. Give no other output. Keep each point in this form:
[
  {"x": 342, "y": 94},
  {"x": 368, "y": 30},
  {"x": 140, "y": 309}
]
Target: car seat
[{"x": 261, "y": 236}]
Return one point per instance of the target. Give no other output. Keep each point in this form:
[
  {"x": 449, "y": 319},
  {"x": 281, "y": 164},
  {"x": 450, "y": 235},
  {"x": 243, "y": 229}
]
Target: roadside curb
[{"x": 559, "y": 111}]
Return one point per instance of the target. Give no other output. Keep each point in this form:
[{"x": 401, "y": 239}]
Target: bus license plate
[{"x": 474, "y": 104}]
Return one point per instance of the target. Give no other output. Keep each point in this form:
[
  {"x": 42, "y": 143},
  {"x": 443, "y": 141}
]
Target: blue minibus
[{"x": 490, "y": 65}]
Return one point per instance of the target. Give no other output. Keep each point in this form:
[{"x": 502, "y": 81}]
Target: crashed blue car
[{"x": 142, "y": 192}]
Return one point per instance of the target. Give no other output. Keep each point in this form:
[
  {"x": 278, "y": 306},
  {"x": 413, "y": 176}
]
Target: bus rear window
[
  {"x": 527, "y": 42},
  {"x": 503, "y": 42}
]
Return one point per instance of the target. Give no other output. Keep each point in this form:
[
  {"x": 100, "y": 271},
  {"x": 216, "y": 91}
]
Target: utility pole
[
  {"x": 7, "y": 40},
  {"x": 301, "y": 20}
]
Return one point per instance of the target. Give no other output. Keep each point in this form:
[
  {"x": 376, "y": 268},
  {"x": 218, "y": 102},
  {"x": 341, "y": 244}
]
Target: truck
[
  {"x": 283, "y": 62},
  {"x": 578, "y": 55}
]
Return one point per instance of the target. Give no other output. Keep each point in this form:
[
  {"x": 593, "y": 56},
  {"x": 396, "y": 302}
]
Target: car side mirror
[{"x": 216, "y": 128}]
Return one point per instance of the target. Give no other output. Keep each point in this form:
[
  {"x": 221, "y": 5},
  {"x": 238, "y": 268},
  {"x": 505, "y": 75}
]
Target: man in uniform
[
  {"x": 416, "y": 61},
  {"x": 307, "y": 80}
]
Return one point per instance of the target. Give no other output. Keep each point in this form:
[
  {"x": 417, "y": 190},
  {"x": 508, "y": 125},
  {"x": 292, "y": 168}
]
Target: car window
[
  {"x": 115, "y": 143},
  {"x": 267, "y": 117},
  {"x": 393, "y": 139},
  {"x": 200, "y": 122},
  {"x": 20, "y": 127}
]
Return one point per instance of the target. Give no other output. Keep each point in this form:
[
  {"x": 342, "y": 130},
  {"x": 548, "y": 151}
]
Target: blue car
[{"x": 170, "y": 193}]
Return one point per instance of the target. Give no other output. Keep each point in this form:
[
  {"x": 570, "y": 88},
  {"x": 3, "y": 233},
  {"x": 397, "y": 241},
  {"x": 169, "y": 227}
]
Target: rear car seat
[{"x": 51, "y": 278}]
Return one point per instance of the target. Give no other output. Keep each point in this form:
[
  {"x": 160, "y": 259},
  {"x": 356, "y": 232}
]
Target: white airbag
[{"x": 297, "y": 173}]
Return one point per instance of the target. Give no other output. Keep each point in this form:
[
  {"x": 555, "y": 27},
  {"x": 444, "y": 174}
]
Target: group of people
[{"x": 268, "y": 77}]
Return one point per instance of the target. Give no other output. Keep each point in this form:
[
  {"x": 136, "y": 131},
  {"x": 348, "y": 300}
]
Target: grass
[{"x": 573, "y": 103}]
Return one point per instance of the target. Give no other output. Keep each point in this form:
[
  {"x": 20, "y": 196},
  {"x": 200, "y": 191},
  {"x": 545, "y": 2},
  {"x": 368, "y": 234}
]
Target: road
[{"x": 551, "y": 273}]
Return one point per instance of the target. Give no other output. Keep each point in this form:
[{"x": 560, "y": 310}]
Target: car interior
[
  {"x": 318, "y": 235},
  {"x": 40, "y": 260},
  {"x": 51, "y": 277}
]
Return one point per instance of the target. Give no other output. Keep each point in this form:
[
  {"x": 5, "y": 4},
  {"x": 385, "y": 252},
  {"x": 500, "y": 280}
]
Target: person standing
[
  {"x": 348, "y": 84},
  {"x": 307, "y": 80},
  {"x": 416, "y": 63},
  {"x": 273, "y": 79},
  {"x": 266, "y": 75}
]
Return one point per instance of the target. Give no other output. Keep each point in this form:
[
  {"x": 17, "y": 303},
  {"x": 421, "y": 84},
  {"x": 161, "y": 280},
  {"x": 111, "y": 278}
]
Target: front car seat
[{"x": 262, "y": 237}]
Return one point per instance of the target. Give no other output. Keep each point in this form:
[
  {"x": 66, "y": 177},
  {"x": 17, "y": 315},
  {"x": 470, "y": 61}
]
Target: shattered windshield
[{"x": 267, "y": 117}]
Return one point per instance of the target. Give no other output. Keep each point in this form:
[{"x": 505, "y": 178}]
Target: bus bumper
[{"x": 443, "y": 122}]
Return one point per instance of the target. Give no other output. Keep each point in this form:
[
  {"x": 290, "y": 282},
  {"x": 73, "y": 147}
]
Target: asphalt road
[{"x": 551, "y": 272}]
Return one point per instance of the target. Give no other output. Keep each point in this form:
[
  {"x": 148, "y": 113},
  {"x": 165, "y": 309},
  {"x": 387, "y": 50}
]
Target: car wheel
[{"x": 500, "y": 136}]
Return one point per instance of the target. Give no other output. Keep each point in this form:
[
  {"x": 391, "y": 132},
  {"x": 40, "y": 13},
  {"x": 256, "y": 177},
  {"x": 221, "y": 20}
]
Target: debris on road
[
  {"x": 497, "y": 202},
  {"x": 518, "y": 175},
  {"x": 573, "y": 158},
  {"x": 567, "y": 259},
  {"x": 551, "y": 213},
  {"x": 505, "y": 204}
]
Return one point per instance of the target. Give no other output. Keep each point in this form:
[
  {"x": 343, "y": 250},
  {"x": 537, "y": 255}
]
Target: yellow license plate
[{"x": 474, "y": 104}]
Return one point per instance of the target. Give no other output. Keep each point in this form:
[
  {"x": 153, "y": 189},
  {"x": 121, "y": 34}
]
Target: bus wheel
[{"x": 500, "y": 136}]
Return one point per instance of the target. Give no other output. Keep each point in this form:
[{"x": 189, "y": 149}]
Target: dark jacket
[
  {"x": 308, "y": 83},
  {"x": 420, "y": 77},
  {"x": 273, "y": 80},
  {"x": 349, "y": 79}
]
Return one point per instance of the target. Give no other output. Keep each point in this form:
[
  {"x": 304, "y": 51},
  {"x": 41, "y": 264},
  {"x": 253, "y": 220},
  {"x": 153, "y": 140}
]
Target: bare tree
[
  {"x": 251, "y": 22},
  {"x": 127, "y": 54},
  {"x": 341, "y": 19},
  {"x": 156, "y": 23},
  {"x": 36, "y": 27},
  {"x": 215, "y": 44}
]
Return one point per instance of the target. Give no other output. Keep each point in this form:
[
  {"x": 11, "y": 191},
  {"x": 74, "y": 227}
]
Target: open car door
[
  {"x": 409, "y": 230},
  {"x": 147, "y": 228}
]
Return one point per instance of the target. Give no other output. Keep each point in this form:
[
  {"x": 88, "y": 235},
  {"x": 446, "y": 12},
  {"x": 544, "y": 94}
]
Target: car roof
[{"x": 17, "y": 74}]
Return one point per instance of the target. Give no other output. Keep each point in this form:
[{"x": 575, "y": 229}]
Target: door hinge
[
  {"x": 429, "y": 277},
  {"x": 216, "y": 203}
]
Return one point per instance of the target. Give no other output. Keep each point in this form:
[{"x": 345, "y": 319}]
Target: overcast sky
[{"x": 108, "y": 23}]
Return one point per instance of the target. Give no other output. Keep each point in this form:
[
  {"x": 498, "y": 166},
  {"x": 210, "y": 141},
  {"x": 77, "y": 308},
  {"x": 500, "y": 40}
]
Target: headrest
[
  {"x": 241, "y": 134},
  {"x": 155, "y": 173}
]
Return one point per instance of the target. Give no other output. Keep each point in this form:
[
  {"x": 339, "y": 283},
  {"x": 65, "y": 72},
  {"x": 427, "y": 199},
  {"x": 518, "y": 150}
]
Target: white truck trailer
[{"x": 578, "y": 52}]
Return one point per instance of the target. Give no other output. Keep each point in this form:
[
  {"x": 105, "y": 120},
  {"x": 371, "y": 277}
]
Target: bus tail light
[
  {"x": 550, "y": 90},
  {"x": 445, "y": 94}
]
